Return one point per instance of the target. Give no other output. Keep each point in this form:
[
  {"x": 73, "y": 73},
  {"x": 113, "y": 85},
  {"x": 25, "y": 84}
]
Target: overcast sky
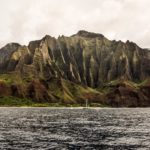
[{"x": 25, "y": 20}]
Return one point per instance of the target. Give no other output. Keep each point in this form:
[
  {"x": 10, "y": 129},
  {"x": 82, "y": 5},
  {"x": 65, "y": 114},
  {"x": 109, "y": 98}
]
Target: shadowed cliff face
[
  {"x": 5, "y": 55},
  {"x": 86, "y": 59}
]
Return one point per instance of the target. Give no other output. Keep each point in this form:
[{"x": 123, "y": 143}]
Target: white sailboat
[{"x": 86, "y": 104}]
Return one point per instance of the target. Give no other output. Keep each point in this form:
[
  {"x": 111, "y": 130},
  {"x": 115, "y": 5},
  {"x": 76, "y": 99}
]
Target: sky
[{"x": 26, "y": 20}]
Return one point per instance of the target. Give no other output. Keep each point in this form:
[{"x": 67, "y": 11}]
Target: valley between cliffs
[{"x": 67, "y": 71}]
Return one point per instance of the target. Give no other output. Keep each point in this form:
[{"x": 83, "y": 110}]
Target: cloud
[{"x": 26, "y": 20}]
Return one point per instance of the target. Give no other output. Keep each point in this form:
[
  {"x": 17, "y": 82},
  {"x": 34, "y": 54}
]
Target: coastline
[{"x": 63, "y": 107}]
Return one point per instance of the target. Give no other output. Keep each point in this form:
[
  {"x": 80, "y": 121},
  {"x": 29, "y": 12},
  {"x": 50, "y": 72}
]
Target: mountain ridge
[{"x": 86, "y": 60}]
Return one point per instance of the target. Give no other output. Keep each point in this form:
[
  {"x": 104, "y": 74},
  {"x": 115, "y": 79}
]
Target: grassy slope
[
  {"x": 108, "y": 86},
  {"x": 67, "y": 92}
]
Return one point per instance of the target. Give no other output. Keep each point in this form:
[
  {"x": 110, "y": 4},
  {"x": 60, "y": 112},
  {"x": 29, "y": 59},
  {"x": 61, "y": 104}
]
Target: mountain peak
[
  {"x": 87, "y": 34},
  {"x": 10, "y": 45}
]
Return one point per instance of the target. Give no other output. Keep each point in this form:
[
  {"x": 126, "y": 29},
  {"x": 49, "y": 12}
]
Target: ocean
[{"x": 74, "y": 129}]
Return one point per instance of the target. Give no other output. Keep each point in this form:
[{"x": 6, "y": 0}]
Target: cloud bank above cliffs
[{"x": 26, "y": 20}]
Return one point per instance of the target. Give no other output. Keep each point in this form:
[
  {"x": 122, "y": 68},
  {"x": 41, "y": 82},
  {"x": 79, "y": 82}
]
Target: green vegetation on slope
[
  {"x": 11, "y": 78},
  {"x": 64, "y": 93},
  {"x": 14, "y": 101},
  {"x": 21, "y": 102}
]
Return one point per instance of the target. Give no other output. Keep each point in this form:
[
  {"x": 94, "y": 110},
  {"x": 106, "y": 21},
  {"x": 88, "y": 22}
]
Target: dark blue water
[{"x": 74, "y": 129}]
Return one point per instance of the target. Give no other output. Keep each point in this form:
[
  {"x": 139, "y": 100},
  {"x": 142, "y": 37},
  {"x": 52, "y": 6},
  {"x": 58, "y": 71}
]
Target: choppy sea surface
[{"x": 74, "y": 129}]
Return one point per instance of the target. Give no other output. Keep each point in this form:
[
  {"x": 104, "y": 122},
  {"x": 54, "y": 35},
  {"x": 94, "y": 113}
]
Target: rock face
[
  {"x": 5, "y": 55},
  {"x": 84, "y": 59}
]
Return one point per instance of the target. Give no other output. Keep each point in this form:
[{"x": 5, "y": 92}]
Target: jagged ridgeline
[{"x": 69, "y": 70}]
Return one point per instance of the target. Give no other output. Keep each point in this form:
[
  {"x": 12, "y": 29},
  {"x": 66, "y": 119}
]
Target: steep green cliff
[{"x": 69, "y": 70}]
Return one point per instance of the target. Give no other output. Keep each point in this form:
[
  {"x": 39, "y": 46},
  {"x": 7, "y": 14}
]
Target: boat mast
[{"x": 86, "y": 102}]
